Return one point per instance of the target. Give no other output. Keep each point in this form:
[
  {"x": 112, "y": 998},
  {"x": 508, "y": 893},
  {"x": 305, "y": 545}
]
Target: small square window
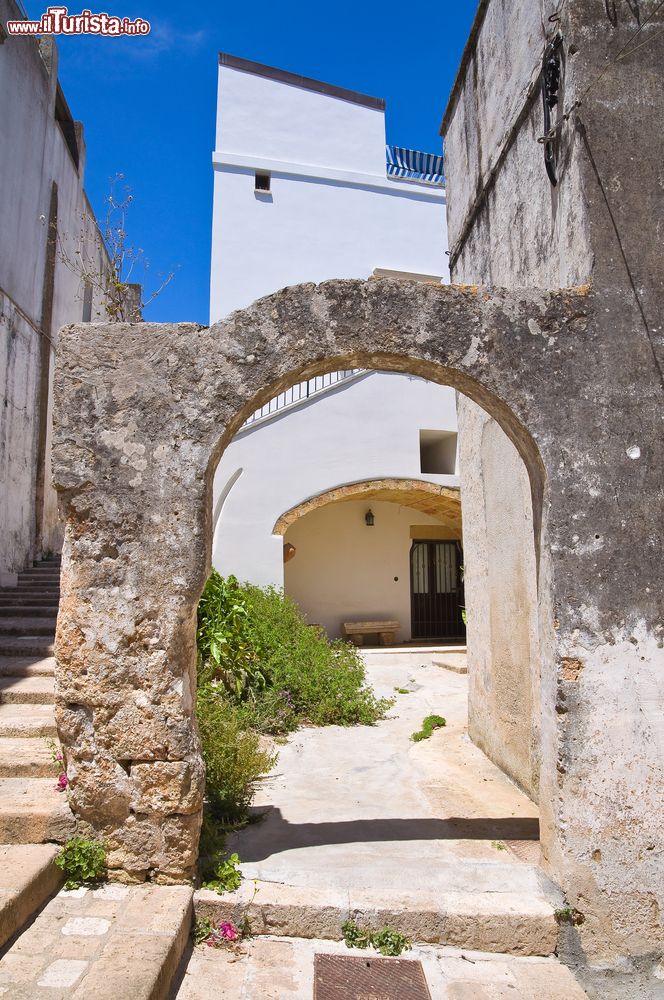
[
  {"x": 262, "y": 182},
  {"x": 438, "y": 452}
]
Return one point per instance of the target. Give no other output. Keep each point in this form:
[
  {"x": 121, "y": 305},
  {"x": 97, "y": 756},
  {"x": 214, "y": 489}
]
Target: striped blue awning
[{"x": 419, "y": 166}]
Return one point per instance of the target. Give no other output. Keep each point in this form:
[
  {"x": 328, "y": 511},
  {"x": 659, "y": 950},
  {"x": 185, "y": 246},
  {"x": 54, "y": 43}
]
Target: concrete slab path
[{"x": 366, "y": 807}]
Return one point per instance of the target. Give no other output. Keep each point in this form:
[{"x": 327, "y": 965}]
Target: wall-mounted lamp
[{"x": 369, "y": 519}]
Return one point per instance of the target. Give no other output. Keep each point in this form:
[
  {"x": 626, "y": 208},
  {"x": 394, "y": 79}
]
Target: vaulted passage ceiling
[{"x": 441, "y": 502}]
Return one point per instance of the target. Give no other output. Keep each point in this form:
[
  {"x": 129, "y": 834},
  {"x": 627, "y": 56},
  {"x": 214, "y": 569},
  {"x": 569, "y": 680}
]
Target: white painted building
[
  {"x": 306, "y": 189},
  {"x": 329, "y": 210}
]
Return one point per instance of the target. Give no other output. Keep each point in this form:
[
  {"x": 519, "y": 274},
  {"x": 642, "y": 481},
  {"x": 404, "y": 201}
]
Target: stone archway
[
  {"x": 143, "y": 413},
  {"x": 441, "y": 502},
  {"x": 337, "y": 570}
]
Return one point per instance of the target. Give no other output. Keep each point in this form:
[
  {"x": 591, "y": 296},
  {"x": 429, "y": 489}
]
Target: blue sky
[{"x": 148, "y": 104}]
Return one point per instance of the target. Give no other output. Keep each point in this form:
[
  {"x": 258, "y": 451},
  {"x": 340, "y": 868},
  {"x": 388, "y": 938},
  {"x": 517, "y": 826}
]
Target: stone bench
[{"x": 357, "y": 632}]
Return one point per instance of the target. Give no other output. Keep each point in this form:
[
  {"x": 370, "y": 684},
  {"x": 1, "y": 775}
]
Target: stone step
[
  {"x": 27, "y": 666},
  {"x": 38, "y": 583},
  {"x": 26, "y": 626},
  {"x": 285, "y": 968},
  {"x": 26, "y": 645},
  {"x": 30, "y": 590},
  {"x": 27, "y": 691},
  {"x": 18, "y": 600},
  {"x": 33, "y": 812},
  {"x": 457, "y": 663},
  {"x": 27, "y": 878},
  {"x": 25, "y": 757},
  {"x": 112, "y": 943},
  {"x": 27, "y": 610},
  {"x": 27, "y": 720},
  {"x": 508, "y": 922}
]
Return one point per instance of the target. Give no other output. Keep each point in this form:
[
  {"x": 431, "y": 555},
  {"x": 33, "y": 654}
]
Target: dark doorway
[{"x": 436, "y": 589}]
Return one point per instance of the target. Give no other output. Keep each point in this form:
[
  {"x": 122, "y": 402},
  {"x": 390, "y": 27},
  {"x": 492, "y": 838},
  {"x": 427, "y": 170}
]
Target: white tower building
[{"x": 306, "y": 189}]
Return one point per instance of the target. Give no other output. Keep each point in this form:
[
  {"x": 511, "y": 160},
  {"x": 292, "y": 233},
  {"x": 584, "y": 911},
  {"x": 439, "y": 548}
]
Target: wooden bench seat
[{"x": 358, "y": 632}]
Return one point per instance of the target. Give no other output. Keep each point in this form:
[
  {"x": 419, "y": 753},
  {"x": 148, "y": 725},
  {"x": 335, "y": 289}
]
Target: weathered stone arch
[
  {"x": 143, "y": 413},
  {"x": 430, "y": 498}
]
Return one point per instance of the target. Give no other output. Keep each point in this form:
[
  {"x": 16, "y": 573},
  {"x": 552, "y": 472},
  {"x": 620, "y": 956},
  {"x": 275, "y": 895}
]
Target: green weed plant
[{"x": 428, "y": 725}]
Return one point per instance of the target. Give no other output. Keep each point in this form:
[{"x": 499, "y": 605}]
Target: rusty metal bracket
[{"x": 551, "y": 71}]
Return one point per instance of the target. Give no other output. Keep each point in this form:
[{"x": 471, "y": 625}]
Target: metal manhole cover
[{"x": 337, "y": 977}]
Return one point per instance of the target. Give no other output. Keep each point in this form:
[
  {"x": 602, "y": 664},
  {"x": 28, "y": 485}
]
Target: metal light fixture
[{"x": 369, "y": 519}]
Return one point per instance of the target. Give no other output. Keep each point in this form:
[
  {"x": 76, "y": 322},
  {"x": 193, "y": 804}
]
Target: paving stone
[
  {"x": 86, "y": 926},
  {"x": 112, "y": 891},
  {"x": 63, "y": 973}
]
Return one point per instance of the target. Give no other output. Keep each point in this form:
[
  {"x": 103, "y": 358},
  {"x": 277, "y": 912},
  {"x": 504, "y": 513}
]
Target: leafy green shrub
[
  {"x": 234, "y": 760},
  {"x": 255, "y": 643},
  {"x": 82, "y": 861},
  {"x": 202, "y": 929},
  {"x": 262, "y": 669},
  {"x": 387, "y": 941},
  {"x": 428, "y": 725},
  {"x": 390, "y": 942},
  {"x": 355, "y": 936},
  {"x": 227, "y": 875},
  {"x": 224, "y": 638}
]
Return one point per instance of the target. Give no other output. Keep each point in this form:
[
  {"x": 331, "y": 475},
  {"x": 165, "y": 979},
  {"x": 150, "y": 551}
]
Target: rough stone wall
[
  {"x": 601, "y": 225},
  {"x": 142, "y": 415},
  {"x": 500, "y": 576}
]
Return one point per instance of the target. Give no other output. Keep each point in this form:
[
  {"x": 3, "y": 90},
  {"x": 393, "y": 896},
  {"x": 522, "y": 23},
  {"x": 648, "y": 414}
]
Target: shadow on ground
[{"x": 277, "y": 834}]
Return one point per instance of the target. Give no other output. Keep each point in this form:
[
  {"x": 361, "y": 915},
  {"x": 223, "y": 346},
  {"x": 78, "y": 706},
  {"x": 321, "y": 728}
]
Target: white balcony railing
[{"x": 300, "y": 392}]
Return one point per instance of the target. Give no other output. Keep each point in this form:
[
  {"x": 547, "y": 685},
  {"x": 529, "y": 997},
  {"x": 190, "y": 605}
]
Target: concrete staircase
[{"x": 33, "y": 815}]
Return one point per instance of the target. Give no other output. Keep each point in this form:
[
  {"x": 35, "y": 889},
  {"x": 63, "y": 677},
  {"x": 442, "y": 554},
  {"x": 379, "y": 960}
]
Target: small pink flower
[
  {"x": 62, "y": 782},
  {"x": 222, "y": 934}
]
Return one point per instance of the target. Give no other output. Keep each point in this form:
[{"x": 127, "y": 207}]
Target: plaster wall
[
  {"x": 331, "y": 211},
  {"x": 344, "y": 571},
  {"x": 601, "y": 226},
  {"x": 501, "y": 598},
  {"x": 282, "y": 121},
  {"x": 366, "y": 427},
  {"x": 33, "y": 156}
]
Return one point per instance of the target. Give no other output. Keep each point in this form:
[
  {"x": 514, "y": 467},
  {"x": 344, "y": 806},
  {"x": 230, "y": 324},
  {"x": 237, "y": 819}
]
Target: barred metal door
[{"x": 436, "y": 590}]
